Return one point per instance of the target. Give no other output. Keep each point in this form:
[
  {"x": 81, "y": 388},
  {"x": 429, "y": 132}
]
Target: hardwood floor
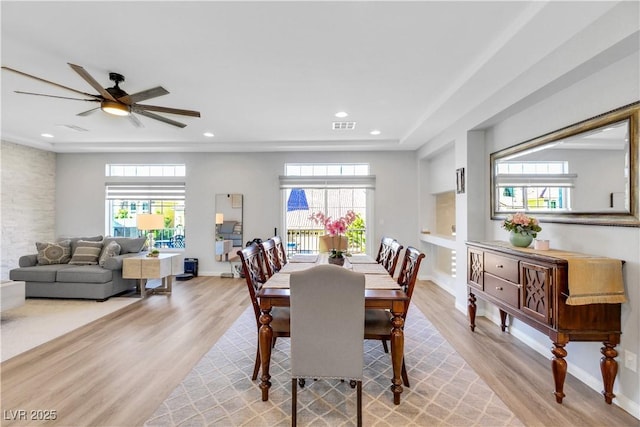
[{"x": 118, "y": 370}]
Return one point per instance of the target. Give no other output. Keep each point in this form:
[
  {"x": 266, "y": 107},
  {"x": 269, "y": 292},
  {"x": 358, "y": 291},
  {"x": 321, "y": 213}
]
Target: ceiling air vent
[
  {"x": 344, "y": 125},
  {"x": 73, "y": 128}
]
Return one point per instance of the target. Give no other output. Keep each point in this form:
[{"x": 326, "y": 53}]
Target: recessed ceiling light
[
  {"x": 209, "y": 134},
  {"x": 46, "y": 135},
  {"x": 341, "y": 114},
  {"x": 375, "y": 132}
]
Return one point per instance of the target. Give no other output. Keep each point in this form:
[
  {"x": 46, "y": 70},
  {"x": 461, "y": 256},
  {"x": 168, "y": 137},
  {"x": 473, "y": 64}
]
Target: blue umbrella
[{"x": 297, "y": 200}]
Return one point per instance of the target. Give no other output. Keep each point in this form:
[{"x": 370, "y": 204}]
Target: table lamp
[
  {"x": 149, "y": 222},
  {"x": 219, "y": 221}
]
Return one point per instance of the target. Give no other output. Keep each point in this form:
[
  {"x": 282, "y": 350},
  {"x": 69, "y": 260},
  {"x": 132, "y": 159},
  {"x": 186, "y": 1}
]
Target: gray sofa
[
  {"x": 231, "y": 230},
  {"x": 82, "y": 281}
]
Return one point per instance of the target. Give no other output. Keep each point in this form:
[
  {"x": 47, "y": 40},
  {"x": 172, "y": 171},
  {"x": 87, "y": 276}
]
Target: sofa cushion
[
  {"x": 110, "y": 250},
  {"x": 84, "y": 274},
  {"x": 39, "y": 273},
  {"x": 75, "y": 240},
  {"x": 227, "y": 227},
  {"x": 86, "y": 253},
  {"x": 127, "y": 244},
  {"x": 54, "y": 252}
]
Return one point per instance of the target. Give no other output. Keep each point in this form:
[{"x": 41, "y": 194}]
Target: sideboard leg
[
  {"x": 503, "y": 320},
  {"x": 559, "y": 369},
  {"x": 609, "y": 369},
  {"x": 471, "y": 309}
]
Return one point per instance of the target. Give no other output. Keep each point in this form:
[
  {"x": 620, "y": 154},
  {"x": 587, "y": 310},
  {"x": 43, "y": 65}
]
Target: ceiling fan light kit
[
  {"x": 115, "y": 108},
  {"x": 114, "y": 100}
]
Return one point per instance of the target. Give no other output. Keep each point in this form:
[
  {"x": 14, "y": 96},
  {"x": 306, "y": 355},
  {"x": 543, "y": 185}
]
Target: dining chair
[
  {"x": 252, "y": 266},
  {"x": 327, "y": 325},
  {"x": 270, "y": 257},
  {"x": 282, "y": 253},
  {"x": 388, "y": 254},
  {"x": 377, "y": 321}
]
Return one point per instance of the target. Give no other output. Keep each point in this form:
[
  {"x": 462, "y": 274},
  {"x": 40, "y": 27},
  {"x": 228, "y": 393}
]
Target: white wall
[{"x": 80, "y": 206}]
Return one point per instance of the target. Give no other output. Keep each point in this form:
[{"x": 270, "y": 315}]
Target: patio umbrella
[{"x": 297, "y": 200}]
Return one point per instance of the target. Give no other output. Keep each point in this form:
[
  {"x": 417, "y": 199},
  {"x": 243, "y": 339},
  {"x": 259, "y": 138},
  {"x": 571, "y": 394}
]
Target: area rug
[
  {"x": 41, "y": 320},
  {"x": 444, "y": 390}
]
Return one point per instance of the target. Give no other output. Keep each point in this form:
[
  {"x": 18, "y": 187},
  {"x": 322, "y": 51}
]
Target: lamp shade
[
  {"x": 149, "y": 221},
  {"x": 219, "y": 218}
]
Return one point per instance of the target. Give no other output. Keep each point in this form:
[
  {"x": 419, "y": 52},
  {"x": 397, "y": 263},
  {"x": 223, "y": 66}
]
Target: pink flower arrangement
[
  {"x": 334, "y": 227},
  {"x": 522, "y": 223}
]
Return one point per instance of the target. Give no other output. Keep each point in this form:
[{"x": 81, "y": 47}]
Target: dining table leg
[
  {"x": 266, "y": 337},
  {"x": 397, "y": 353}
]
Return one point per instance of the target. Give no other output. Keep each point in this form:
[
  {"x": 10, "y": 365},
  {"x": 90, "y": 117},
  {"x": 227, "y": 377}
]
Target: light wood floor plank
[{"x": 118, "y": 370}]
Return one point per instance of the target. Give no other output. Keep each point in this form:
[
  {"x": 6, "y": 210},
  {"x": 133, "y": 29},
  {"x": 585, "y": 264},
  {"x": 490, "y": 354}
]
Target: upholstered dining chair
[
  {"x": 270, "y": 256},
  {"x": 377, "y": 321},
  {"x": 388, "y": 254},
  {"x": 327, "y": 325},
  {"x": 252, "y": 266},
  {"x": 282, "y": 253}
]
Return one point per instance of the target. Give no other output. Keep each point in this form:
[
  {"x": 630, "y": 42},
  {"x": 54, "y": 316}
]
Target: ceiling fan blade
[
  {"x": 94, "y": 84},
  {"x": 49, "y": 82},
  {"x": 162, "y": 119},
  {"x": 145, "y": 94},
  {"x": 168, "y": 110},
  {"x": 134, "y": 120},
  {"x": 55, "y": 96},
  {"x": 86, "y": 113}
]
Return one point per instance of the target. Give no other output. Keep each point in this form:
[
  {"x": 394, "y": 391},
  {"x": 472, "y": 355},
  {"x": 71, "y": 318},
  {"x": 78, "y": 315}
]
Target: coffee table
[{"x": 142, "y": 267}]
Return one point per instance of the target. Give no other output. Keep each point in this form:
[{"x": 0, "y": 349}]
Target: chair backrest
[
  {"x": 270, "y": 256},
  {"x": 252, "y": 267},
  {"x": 409, "y": 272},
  {"x": 389, "y": 253},
  {"x": 327, "y": 323},
  {"x": 326, "y": 243},
  {"x": 282, "y": 253}
]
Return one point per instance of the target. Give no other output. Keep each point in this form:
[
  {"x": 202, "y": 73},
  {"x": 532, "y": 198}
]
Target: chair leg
[
  {"x": 384, "y": 346},
  {"x": 405, "y": 377},
  {"x": 359, "y": 394},
  {"x": 256, "y": 367},
  {"x": 294, "y": 402}
]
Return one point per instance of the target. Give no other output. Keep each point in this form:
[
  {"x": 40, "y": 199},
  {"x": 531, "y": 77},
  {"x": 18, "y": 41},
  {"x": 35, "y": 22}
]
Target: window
[
  {"x": 166, "y": 196},
  {"x": 332, "y": 189},
  {"x": 535, "y": 186}
]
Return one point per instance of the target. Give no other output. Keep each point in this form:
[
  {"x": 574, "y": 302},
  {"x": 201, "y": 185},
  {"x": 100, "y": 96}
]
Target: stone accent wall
[{"x": 27, "y": 200}]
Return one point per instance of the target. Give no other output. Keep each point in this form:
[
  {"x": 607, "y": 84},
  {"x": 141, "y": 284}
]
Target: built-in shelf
[{"x": 439, "y": 240}]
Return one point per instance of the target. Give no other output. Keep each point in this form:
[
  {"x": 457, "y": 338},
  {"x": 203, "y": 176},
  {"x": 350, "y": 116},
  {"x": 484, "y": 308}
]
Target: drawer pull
[
  {"x": 498, "y": 288},
  {"x": 499, "y": 266}
]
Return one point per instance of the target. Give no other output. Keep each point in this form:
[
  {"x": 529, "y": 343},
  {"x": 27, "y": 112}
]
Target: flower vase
[
  {"x": 337, "y": 261},
  {"x": 520, "y": 240}
]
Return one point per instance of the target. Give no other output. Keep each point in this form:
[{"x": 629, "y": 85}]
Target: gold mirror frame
[{"x": 631, "y": 218}]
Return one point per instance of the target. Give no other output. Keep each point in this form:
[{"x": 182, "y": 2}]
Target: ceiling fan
[{"x": 114, "y": 100}]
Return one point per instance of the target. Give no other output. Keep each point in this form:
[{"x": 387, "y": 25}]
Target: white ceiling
[{"x": 269, "y": 76}]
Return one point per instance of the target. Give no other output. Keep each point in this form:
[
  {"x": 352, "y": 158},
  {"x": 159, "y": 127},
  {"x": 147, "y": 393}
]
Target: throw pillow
[
  {"x": 237, "y": 229},
  {"x": 111, "y": 250},
  {"x": 86, "y": 253},
  {"x": 53, "y": 253},
  {"x": 74, "y": 241}
]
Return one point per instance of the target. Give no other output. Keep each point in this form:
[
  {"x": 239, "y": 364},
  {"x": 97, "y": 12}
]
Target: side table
[
  {"x": 223, "y": 247},
  {"x": 142, "y": 267},
  {"x": 12, "y": 295}
]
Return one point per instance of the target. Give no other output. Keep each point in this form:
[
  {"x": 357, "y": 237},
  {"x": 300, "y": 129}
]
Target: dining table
[{"x": 381, "y": 292}]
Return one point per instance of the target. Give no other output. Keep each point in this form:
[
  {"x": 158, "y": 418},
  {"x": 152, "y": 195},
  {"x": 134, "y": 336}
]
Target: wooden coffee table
[{"x": 142, "y": 267}]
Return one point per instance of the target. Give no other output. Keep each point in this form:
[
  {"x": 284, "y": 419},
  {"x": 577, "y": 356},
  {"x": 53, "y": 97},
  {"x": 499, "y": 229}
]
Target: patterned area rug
[{"x": 444, "y": 390}]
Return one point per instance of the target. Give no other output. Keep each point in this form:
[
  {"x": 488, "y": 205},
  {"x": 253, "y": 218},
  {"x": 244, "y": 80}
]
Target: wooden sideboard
[{"x": 532, "y": 287}]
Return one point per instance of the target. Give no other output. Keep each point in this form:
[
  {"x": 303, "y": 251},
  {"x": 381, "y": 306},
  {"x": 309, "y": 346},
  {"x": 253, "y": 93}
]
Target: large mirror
[
  {"x": 585, "y": 173},
  {"x": 229, "y": 225}
]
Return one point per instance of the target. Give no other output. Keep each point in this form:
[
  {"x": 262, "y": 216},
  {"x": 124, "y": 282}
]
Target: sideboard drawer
[
  {"x": 501, "y": 266},
  {"x": 505, "y": 291}
]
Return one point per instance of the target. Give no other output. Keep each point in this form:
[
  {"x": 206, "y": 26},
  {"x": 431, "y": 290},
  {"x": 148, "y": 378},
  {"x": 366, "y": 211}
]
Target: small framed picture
[{"x": 460, "y": 180}]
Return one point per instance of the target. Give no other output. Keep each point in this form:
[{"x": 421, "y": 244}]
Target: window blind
[
  {"x": 363, "y": 181},
  {"x": 139, "y": 191}
]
